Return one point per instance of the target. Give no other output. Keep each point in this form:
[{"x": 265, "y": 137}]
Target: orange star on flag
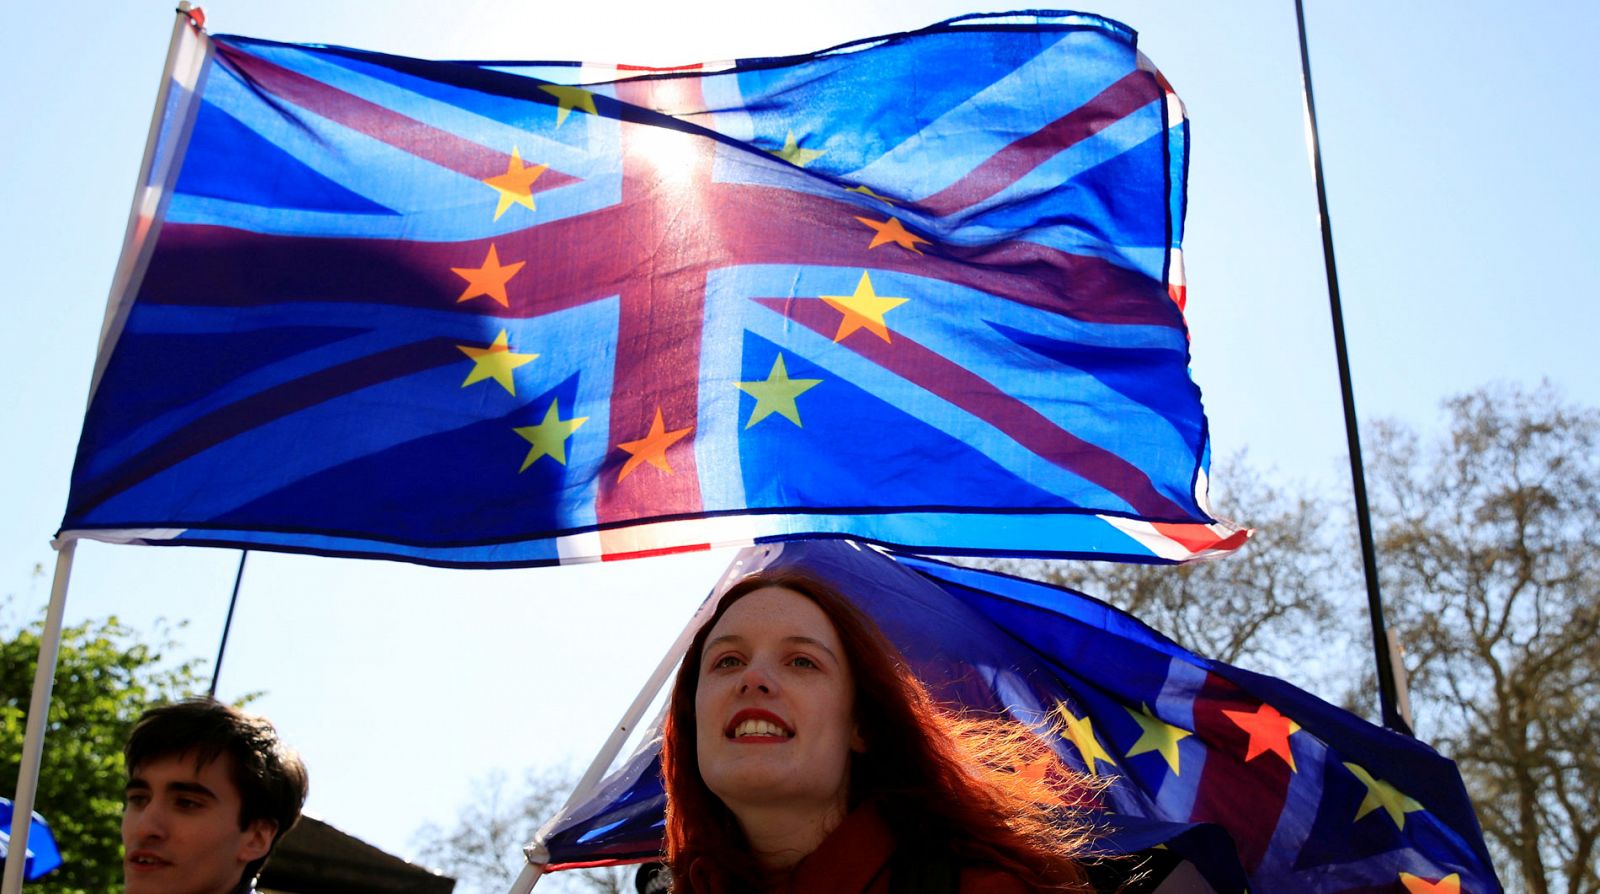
[
  {"x": 891, "y": 230},
  {"x": 489, "y": 279},
  {"x": 652, "y": 448},
  {"x": 516, "y": 184},
  {"x": 1042, "y": 788},
  {"x": 1416, "y": 884},
  {"x": 1269, "y": 731}
]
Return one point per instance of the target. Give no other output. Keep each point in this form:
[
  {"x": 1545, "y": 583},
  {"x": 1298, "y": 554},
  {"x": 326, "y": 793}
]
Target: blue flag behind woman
[{"x": 1252, "y": 780}]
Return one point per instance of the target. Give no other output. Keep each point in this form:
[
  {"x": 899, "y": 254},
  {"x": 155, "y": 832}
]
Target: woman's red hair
[{"x": 986, "y": 791}]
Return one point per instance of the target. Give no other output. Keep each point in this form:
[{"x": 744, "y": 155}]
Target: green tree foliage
[{"x": 105, "y": 677}]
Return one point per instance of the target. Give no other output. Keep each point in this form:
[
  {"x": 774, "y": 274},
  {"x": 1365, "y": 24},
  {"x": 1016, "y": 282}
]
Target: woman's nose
[{"x": 756, "y": 679}]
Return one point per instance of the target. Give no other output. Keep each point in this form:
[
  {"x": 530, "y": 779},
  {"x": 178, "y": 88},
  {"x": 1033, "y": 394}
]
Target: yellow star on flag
[
  {"x": 777, "y": 394},
  {"x": 1416, "y": 884},
  {"x": 867, "y": 191},
  {"x": 1158, "y": 735},
  {"x": 652, "y": 448},
  {"x": 793, "y": 154},
  {"x": 549, "y": 438},
  {"x": 515, "y": 186},
  {"x": 863, "y": 310},
  {"x": 891, "y": 230},
  {"x": 489, "y": 279},
  {"x": 1382, "y": 794},
  {"x": 495, "y": 362},
  {"x": 570, "y": 98},
  {"x": 1081, "y": 733}
]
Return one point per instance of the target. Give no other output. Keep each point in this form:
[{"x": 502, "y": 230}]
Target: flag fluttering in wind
[
  {"x": 44, "y": 856},
  {"x": 1252, "y": 780},
  {"x": 922, "y": 290}
]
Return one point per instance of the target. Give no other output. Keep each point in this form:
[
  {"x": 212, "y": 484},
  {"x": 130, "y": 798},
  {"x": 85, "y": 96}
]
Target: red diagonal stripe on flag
[
  {"x": 1134, "y": 91},
  {"x": 1244, "y": 797},
  {"x": 958, "y": 385}
]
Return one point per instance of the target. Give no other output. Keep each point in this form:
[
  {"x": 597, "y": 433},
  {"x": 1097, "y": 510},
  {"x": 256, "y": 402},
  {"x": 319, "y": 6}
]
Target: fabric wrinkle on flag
[{"x": 922, "y": 290}]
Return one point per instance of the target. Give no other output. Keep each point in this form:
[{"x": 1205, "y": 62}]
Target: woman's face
[{"x": 774, "y": 712}]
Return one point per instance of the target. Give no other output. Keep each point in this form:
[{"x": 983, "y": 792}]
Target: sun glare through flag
[{"x": 921, "y": 290}]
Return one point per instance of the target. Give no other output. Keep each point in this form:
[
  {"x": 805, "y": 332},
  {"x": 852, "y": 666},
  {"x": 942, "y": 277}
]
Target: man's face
[{"x": 180, "y": 828}]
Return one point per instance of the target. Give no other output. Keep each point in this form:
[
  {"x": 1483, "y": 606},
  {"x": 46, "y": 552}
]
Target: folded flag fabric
[
  {"x": 1255, "y": 782},
  {"x": 923, "y": 289},
  {"x": 43, "y": 854}
]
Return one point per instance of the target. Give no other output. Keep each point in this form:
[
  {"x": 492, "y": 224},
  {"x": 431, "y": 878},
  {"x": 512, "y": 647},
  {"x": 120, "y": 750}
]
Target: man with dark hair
[{"x": 210, "y": 792}]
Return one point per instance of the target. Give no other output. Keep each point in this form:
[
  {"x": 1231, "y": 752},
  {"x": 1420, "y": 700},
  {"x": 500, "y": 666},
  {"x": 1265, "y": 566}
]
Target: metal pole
[
  {"x": 1387, "y": 698},
  {"x": 227, "y": 625},
  {"x": 44, "y": 678}
]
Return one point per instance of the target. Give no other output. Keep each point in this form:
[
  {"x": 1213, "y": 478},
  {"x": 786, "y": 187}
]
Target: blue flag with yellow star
[
  {"x": 923, "y": 289},
  {"x": 1258, "y": 784}
]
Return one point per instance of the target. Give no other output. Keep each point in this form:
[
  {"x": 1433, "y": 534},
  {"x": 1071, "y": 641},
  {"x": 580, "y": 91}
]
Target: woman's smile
[{"x": 753, "y": 725}]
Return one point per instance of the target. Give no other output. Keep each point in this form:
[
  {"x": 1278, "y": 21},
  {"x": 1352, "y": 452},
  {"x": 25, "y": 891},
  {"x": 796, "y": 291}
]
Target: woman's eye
[
  {"x": 803, "y": 661},
  {"x": 726, "y": 661}
]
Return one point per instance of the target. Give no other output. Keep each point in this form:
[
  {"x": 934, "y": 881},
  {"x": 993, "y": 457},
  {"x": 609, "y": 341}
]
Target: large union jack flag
[
  {"x": 921, "y": 290},
  {"x": 1261, "y": 786}
]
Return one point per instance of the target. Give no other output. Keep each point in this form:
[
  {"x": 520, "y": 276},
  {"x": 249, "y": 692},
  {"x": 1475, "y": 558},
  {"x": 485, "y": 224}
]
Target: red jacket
[{"x": 855, "y": 859}]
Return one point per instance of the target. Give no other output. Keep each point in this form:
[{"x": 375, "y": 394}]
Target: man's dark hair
[{"x": 269, "y": 774}]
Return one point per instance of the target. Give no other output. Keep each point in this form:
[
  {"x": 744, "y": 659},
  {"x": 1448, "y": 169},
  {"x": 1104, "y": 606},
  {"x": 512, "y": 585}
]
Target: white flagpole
[
  {"x": 529, "y": 876},
  {"x": 538, "y": 856},
  {"x": 44, "y": 678},
  {"x": 748, "y": 560},
  {"x": 145, "y": 214},
  {"x": 186, "y": 56}
]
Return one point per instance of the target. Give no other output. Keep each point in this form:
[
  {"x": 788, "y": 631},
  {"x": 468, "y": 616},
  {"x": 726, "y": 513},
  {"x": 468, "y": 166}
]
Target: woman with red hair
[{"x": 800, "y": 755}]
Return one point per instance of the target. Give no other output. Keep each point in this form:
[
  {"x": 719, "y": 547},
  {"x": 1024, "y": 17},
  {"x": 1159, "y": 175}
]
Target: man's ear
[{"x": 256, "y": 840}]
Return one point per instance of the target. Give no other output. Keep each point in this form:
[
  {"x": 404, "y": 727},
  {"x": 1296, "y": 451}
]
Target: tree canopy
[
  {"x": 1489, "y": 551},
  {"x": 483, "y": 849},
  {"x": 106, "y": 675},
  {"x": 1270, "y": 605},
  {"x": 1488, "y": 536}
]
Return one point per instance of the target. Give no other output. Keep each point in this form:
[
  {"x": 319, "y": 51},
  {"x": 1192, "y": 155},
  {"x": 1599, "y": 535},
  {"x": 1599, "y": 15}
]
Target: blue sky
[{"x": 1457, "y": 139}]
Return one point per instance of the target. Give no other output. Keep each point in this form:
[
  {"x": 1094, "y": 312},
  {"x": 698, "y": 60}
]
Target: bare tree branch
[
  {"x": 1488, "y": 546},
  {"x": 484, "y": 848}
]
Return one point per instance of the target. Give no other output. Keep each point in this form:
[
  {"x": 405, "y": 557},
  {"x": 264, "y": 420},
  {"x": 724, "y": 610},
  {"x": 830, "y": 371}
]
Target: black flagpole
[
  {"x": 216, "y": 670},
  {"x": 1387, "y": 693}
]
